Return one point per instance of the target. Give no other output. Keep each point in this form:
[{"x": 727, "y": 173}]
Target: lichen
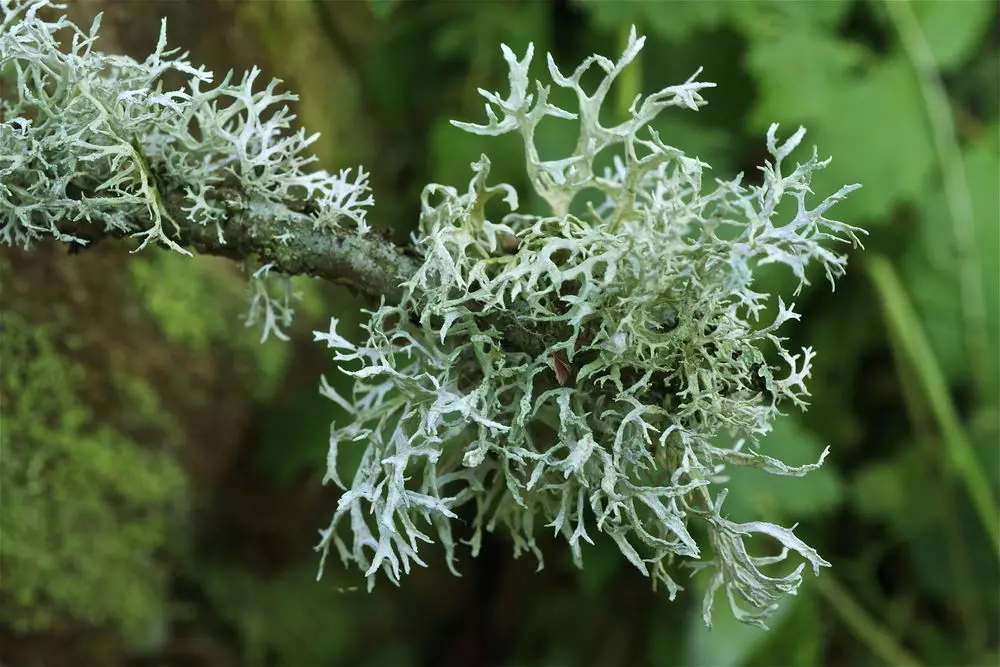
[
  {"x": 85, "y": 120},
  {"x": 92, "y": 138},
  {"x": 646, "y": 367}
]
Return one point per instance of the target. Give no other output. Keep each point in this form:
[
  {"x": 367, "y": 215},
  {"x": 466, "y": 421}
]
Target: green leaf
[
  {"x": 473, "y": 32},
  {"x": 954, "y": 30},
  {"x": 874, "y": 122},
  {"x": 879, "y": 130},
  {"x": 800, "y": 73},
  {"x": 768, "y": 16},
  {"x": 672, "y": 20}
]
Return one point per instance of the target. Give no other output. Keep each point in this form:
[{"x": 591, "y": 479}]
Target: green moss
[
  {"x": 199, "y": 303},
  {"x": 87, "y": 513},
  {"x": 176, "y": 295}
]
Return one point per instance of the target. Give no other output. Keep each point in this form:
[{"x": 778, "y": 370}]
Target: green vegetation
[{"x": 88, "y": 515}]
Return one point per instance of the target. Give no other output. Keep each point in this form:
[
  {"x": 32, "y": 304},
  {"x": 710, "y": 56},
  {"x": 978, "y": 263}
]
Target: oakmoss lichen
[{"x": 587, "y": 374}]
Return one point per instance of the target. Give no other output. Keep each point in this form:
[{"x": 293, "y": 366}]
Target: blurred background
[{"x": 161, "y": 469}]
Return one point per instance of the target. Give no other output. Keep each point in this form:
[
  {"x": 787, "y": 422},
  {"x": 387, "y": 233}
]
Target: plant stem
[
  {"x": 864, "y": 627},
  {"x": 956, "y": 190},
  {"x": 912, "y": 350}
]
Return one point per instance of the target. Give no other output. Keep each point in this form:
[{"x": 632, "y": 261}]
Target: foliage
[{"x": 655, "y": 352}]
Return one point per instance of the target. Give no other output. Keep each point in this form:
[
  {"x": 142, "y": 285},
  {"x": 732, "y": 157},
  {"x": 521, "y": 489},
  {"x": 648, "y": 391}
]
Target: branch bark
[{"x": 370, "y": 265}]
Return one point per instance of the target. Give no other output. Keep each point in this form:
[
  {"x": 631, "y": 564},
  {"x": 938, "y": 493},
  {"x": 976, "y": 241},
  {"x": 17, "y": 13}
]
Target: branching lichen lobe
[{"x": 597, "y": 372}]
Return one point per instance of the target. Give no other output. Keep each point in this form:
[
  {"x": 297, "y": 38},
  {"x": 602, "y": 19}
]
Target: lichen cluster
[
  {"x": 96, "y": 138},
  {"x": 585, "y": 373},
  {"x": 83, "y": 120}
]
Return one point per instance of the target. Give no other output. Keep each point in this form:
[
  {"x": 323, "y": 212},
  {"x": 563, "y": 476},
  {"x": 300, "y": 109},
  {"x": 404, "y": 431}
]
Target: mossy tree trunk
[{"x": 127, "y": 395}]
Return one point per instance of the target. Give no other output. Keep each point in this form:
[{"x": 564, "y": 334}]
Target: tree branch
[{"x": 370, "y": 265}]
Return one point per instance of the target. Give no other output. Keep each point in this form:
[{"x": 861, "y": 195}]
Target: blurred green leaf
[
  {"x": 953, "y": 29},
  {"x": 475, "y": 31},
  {"x": 931, "y": 264},
  {"x": 781, "y": 15},
  {"x": 877, "y": 129},
  {"x": 817, "y": 63},
  {"x": 753, "y": 493},
  {"x": 868, "y": 114},
  {"x": 672, "y": 20},
  {"x": 382, "y": 9}
]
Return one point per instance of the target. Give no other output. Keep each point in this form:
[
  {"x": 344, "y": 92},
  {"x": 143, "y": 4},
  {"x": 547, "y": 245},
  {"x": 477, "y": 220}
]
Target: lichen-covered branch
[
  {"x": 587, "y": 371},
  {"x": 92, "y": 145},
  {"x": 656, "y": 366},
  {"x": 370, "y": 264}
]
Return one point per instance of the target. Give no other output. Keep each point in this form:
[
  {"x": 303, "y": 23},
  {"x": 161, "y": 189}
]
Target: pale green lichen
[
  {"x": 97, "y": 138},
  {"x": 651, "y": 354}
]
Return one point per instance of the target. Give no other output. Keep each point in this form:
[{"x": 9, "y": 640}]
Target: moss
[
  {"x": 198, "y": 303},
  {"x": 87, "y": 513},
  {"x": 176, "y": 296}
]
